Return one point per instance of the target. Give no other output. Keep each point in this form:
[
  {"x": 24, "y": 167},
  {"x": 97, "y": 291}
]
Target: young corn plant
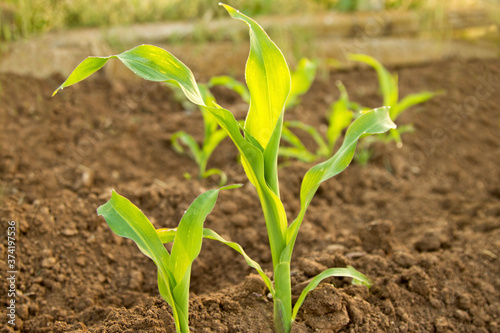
[
  {"x": 174, "y": 268},
  {"x": 232, "y": 84},
  {"x": 269, "y": 83},
  {"x": 339, "y": 117},
  {"x": 389, "y": 89},
  {"x": 213, "y": 136},
  {"x": 302, "y": 79}
]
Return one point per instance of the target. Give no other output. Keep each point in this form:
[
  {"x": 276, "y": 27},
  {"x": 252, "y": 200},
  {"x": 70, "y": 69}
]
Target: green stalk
[{"x": 283, "y": 301}]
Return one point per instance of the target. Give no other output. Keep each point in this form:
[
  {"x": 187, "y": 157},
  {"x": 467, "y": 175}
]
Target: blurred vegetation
[{"x": 24, "y": 18}]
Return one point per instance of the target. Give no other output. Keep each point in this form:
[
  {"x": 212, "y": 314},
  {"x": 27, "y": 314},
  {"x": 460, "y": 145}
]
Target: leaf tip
[
  {"x": 101, "y": 208},
  {"x": 229, "y": 9}
]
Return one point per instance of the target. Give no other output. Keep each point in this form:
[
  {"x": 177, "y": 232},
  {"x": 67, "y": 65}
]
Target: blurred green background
[{"x": 25, "y": 18}]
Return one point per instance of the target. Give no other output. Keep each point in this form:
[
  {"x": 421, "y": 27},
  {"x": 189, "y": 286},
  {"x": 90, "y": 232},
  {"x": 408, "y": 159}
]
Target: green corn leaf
[
  {"x": 168, "y": 235},
  {"x": 190, "y": 142},
  {"x": 211, "y": 142},
  {"x": 187, "y": 243},
  {"x": 231, "y": 83},
  {"x": 339, "y": 118},
  {"x": 86, "y": 68},
  {"x": 388, "y": 83},
  {"x": 406, "y": 128},
  {"x": 323, "y": 149},
  {"x": 208, "y": 121},
  {"x": 291, "y": 138},
  {"x": 187, "y": 246},
  {"x": 147, "y": 61},
  {"x": 302, "y": 79},
  {"x": 299, "y": 154},
  {"x": 155, "y": 64},
  {"x": 372, "y": 122},
  {"x": 297, "y": 150},
  {"x": 252, "y": 159},
  {"x": 358, "y": 278},
  {"x": 268, "y": 80},
  {"x": 218, "y": 172},
  {"x": 126, "y": 220},
  {"x": 411, "y": 100},
  {"x": 210, "y": 234}
]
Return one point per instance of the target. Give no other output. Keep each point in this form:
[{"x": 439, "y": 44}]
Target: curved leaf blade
[
  {"x": 214, "y": 171},
  {"x": 190, "y": 142},
  {"x": 339, "y": 118},
  {"x": 87, "y": 67},
  {"x": 168, "y": 235},
  {"x": 358, "y": 278},
  {"x": 189, "y": 236},
  {"x": 298, "y": 153},
  {"x": 323, "y": 149},
  {"x": 302, "y": 79},
  {"x": 268, "y": 80},
  {"x": 210, "y": 234},
  {"x": 126, "y": 220},
  {"x": 212, "y": 142},
  {"x": 411, "y": 100},
  {"x": 147, "y": 61},
  {"x": 231, "y": 83},
  {"x": 372, "y": 122},
  {"x": 156, "y": 64},
  {"x": 388, "y": 83}
]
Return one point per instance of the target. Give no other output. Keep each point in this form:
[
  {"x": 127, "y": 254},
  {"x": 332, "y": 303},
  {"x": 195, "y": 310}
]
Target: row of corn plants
[{"x": 270, "y": 86}]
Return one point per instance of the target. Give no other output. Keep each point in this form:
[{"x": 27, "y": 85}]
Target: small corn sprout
[
  {"x": 213, "y": 136},
  {"x": 174, "y": 268}
]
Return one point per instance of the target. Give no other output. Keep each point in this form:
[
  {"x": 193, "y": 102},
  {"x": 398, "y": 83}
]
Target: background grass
[{"x": 24, "y": 18}]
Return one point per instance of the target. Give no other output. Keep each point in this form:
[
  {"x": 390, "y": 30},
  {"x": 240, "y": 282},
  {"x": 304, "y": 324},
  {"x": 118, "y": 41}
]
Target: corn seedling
[
  {"x": 232, "y": 84},
  {"x": 174, "y": 268},
  {"x": 339, "y": 117},
  {"x": 389, "y": 89},
  {"x": 302, "y": 79},
  {"x": 269, "y": 83},
  {"x": 213, "y": 135}
]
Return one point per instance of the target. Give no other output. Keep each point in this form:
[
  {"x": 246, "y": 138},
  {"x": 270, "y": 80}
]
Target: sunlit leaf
[
  {"x": 372, "y": 122},
  {"x": 268, "y": 80}
]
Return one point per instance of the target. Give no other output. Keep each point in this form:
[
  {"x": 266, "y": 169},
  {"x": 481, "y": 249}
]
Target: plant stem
[{"x": 283, "y": 301}]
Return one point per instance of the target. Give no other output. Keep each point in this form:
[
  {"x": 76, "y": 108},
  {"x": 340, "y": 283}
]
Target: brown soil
[{"x": 422, "y": 221}]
